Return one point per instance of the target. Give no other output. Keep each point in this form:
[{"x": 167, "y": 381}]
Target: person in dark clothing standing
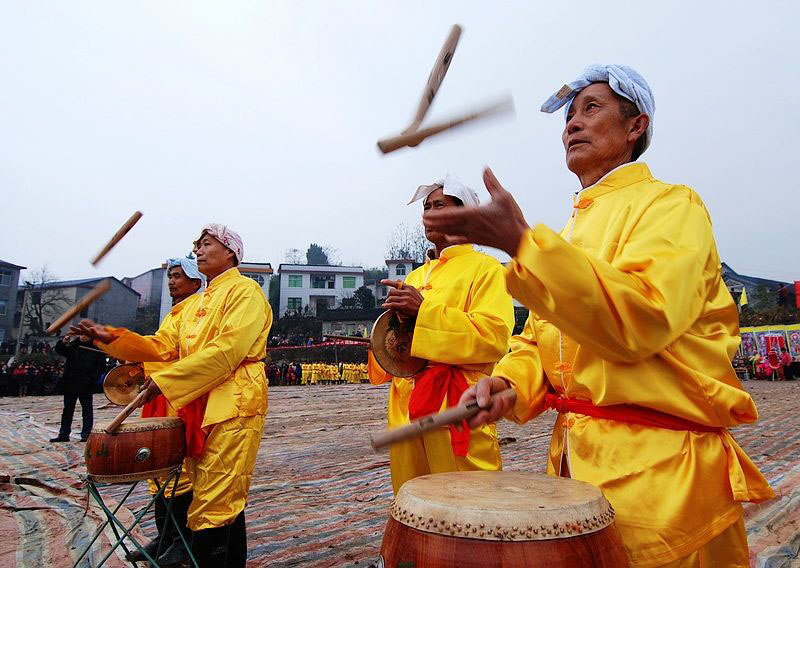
[{"x": 84, "y": 365}]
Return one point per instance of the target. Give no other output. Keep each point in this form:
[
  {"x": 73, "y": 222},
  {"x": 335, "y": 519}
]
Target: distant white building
[
  {"x": 258, "y": 272},
  {"x": 317, "y": 287},
  {"x": 396, "y": 269}
]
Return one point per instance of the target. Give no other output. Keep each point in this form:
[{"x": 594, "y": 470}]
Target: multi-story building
[
  {"x": 316, "y": 288},
  {"x": 9, "y": 282},
  {"x": 258, "y": 272},
  {"x": 148, "y": 285},
  {"x": 117, "y": 306}
]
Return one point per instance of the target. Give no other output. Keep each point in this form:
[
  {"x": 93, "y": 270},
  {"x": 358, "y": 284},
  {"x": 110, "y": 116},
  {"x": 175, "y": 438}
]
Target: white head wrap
[
  {"x": 624, "y": 80},
  {"x": 227, "y": 237},
  {"x": 189, "y": 268},
  {"x": 451, "y": 186}
]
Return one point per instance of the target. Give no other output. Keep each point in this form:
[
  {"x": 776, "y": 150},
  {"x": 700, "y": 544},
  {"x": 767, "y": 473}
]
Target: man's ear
[{"x": 640, "y": 124}]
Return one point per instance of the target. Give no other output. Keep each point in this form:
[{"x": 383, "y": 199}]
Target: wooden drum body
[
  {"x": 501, "y": 519},
  {"x": 146, "y": 448}
]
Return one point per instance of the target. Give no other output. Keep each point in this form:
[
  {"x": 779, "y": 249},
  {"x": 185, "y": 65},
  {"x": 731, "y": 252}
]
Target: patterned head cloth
[
  {"x": 227, "y": 237},
  {"x": 624, "y": 80},
  {"x": 189, "y": 268},
  {"x": 451, "y": 186}
]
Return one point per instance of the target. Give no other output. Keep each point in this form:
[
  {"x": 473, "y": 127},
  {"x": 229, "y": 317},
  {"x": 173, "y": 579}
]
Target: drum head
[
  {"x": 122, "y": 383},
  {"x": 503, "y": 506},
  {"x": 390, "y": 343},
  {"x": 142, "y": 424}
]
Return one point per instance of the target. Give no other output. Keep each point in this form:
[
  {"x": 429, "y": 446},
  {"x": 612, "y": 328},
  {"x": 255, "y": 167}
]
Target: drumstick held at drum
[
  {"x": 440, "y": 67},
  {"x": 127, "y": 227},
  {"x": 91, "y": 297},
  {"x": 417, "y": 137},
  {"x": 425, "y": 424},
  {"x": 120, "y": 419}
]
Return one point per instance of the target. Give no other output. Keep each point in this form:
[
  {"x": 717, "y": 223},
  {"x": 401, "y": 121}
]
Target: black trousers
[
  {"x": 224, "y": 546},
  {"x": 69, "y": 411},
  {"x": 166, "y": 529}
]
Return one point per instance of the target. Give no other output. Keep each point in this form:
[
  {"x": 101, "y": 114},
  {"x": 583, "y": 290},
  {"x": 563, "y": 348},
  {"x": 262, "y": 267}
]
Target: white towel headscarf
[
  {"x": 624, "y": 80},
  {"x": 189, "y": 268},
  {"x": 227, "y": 237},
  {"x": 451, "y": 186}
]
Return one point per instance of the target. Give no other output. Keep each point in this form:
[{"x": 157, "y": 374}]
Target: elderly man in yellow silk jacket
[
  {"x": 464, "y": 317},
  {"x": 216, "y": 383},
  {"x": 630, "y": 335}
]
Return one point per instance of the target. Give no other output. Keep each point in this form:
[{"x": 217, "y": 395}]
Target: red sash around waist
[
  {"x": 436, "y": 382},
  {"x": 192, "y": 417},
  {"x": 626, "y": 414}
]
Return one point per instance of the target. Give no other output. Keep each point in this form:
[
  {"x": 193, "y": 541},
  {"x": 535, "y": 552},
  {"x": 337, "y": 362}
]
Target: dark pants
[
  {"x": 224, "y": 546},
  {"x": 69, "y": 412},
  {"x": 166, "y": 529}
]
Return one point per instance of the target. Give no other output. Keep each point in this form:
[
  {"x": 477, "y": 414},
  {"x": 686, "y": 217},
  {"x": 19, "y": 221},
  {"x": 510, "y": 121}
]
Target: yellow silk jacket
[
  {"x": 627, "y": 306},
  {"x": 214, "y": 345}
]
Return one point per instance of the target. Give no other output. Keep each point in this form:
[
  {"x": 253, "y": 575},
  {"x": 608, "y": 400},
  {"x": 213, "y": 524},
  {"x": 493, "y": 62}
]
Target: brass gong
[
  {"x": 390, "y": 343},
  {"x": 122, "y": 384}
]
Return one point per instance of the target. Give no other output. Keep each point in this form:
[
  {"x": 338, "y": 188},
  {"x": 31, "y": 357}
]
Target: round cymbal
[
  {"x": 122, "y": 383},
  {"x": 390, "y": 343}
]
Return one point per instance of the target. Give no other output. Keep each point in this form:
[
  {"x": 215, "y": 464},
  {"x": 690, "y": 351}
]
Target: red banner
[
  {"x": 797, "y": 293},
  {"x": 322, "y": 344}
]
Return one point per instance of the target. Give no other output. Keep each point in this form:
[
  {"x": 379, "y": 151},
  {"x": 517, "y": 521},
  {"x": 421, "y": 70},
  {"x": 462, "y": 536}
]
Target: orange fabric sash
[
  {"x": 430, "y": 388},
  {"x": 626, "y": 414}
]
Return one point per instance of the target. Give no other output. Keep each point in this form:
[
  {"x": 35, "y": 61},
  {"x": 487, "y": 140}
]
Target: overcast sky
[{"x": 264, "y": 116}]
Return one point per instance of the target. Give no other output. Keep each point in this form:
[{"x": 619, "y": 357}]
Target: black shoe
[
  {"x": 151, "y": 548},
  {"x": 60, "y": 439},
  {"x": 174, "y": 556}
]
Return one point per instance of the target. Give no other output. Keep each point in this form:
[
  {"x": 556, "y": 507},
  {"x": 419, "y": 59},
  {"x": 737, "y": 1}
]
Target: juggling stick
[
  {"x": 91, "y": 297},
  {"x": 127, "y": 227}
]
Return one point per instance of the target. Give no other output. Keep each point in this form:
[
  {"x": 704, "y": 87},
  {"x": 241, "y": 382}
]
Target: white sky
[{"x": 264, "y": 116}]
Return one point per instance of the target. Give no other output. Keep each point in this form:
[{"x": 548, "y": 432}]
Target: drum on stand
[
  {"x": 500, "y": 519},
  {"x": 146, "y": 448}
]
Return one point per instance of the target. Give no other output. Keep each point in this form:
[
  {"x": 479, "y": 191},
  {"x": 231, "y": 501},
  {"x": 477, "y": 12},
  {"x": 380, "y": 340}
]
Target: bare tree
[
  {"x": 408, "y": 243},
  {"x": 294, "y": 256},
  {"x": 42, "y": 304}
]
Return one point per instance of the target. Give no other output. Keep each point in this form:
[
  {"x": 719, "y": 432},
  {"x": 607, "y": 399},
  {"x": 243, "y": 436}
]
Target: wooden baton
[
  {"x": 440, "y": 67},
  {"x": 416, "y": 137},
  {"x": 91, "y": 297},
  {"x": 420, "y": 426},
  {"x": 120, "y": 419},
  {"x": 127, "y": 227},
  {"x": 351, "y": 338}
]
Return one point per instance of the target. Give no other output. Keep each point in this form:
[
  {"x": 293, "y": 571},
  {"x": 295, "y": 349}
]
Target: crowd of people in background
[
  {"x": 776, "y": 365},
  {"x": 316, "y": 373}
]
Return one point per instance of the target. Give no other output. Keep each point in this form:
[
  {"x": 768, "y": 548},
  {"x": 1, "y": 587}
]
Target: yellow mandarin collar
[
  {"x": 225, "y": 277},
  {"x": 623, "y": 176},
  {"x": 177, "y": 308},
  {"x": 450, "y": 252}
]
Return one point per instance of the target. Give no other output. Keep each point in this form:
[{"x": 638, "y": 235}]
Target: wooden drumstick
[
  {"x": 136, "y": 402},
  {"x": 413, "y": 139},
  {"x": 127, "y": 227},
  {"x": 425, "y": 424},
  {"x": 440, "y": 67},
  {"x": 91, "y": 297}
]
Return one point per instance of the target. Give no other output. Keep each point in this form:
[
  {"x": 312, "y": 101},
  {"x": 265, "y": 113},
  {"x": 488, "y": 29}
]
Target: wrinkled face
[
  {"x": 596, "y": 135},
  {"x": 180, "y": 286},
  {"x": 213, "y": 258},
  {"x": 437, "y": 200}
]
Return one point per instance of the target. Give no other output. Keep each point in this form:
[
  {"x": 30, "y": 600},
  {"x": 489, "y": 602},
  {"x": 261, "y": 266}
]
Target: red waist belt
[
  {"x": 431, "y": 387},
  {"x": 192, "y": 417},
  {"x": 626, "y": 414}
]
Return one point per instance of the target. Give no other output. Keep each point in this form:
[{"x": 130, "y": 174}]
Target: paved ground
[{"x": 320, "y": 496}]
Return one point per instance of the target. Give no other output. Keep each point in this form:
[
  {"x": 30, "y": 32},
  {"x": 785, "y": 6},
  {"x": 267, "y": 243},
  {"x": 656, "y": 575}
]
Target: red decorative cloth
[
  {"x": 192, "y": 417},
  {"x": 626, "y": 414},
  {"x": 155, "y": 407},
  {"x": 431, "y": 387}
]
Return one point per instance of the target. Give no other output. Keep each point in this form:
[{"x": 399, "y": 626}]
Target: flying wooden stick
[
  {"x": 440, "y": 67},
  {"x": 420, "y": 426},
  {"x": 127, "y": 227},
  {"x": 414, "y": 138},
  {"x": 91, "y": 297}
]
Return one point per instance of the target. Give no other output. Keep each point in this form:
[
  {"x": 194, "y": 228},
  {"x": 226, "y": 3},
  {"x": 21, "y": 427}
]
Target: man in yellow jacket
[
  {"x": 630, "y": 335},
  {"x": 216, "y": 381},
  {"x": 464, "y": 317},
  {"x": 184, "y": 282}
]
